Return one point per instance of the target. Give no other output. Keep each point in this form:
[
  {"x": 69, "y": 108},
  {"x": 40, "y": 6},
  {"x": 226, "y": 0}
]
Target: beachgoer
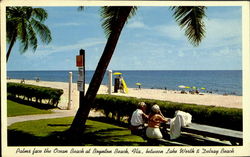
[
  {"x": 121, "y": 87},
  {"x": 118, "y": 83},
  {"x": 154, "y": 120},
  {"x": 37, "y": 79},
  {"x": 23, "y": 81},
  {"x": 138, "y": 120}
]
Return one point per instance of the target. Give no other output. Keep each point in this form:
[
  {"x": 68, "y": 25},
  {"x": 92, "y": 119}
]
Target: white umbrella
[{"x": 182, "y": 86}]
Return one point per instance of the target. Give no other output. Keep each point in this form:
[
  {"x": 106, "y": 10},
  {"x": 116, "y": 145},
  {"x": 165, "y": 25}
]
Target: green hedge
[
  {"x": 120, "y": 106},
  {"x": 38, "y": 93}
]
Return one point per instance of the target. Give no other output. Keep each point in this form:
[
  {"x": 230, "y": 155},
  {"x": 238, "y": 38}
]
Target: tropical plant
[
  {"x": 114, "y": 19},
  {"x": 25, "y": 24}
]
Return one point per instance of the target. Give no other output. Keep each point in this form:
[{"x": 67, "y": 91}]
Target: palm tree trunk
[
  {"x": 13, "y": 39},
  {"x": 79, "y": 121}
]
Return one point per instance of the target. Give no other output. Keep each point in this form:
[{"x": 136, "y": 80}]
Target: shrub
[
  {"x": 30, "y": 92},
  {"x": 120, "y": 106}
]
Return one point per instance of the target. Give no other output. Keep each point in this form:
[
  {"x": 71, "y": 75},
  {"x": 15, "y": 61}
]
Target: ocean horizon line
[
  {"x": 219, "y": 81},
  {"x": 123, "y": 70}
]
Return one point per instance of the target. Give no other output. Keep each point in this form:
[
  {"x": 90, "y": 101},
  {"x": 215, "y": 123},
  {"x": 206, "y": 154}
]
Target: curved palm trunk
[
  {"x": 13, "y": 39},
  {"x": 79, "y": 121}
]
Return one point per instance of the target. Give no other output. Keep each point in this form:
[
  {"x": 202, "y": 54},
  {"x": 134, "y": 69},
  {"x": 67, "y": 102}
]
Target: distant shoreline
[
  {"x": 119, "y": 70},
  {"x": 218, "y": 82},
  {"x": 19, "y": 80},
  {"x": 232, "y": 101}
]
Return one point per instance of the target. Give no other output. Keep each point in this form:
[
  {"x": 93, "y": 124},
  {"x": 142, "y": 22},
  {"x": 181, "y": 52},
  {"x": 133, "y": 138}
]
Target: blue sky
[{"x": 151, "y": 40}]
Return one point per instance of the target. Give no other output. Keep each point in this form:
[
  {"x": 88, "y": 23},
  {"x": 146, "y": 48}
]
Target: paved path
[{"x": 57, "y": 114}]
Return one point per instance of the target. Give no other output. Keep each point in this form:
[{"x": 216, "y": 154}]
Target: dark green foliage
[
  {"x": 191, "y": 19},
  {"x": 30, "y": 92},
  {"x": 26, "y": 24},
  {"x": 223, "y": 117},
  {"x": 111, "y": 15}
]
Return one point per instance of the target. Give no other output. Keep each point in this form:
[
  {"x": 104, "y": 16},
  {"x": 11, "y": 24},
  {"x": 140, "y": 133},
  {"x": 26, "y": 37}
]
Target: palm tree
[
  {"x": 24, "y": 24},
  {"x": 114, "y": 19}
]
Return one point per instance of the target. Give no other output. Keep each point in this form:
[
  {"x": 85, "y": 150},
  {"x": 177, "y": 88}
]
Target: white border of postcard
[{"x": 238, "y": 150}]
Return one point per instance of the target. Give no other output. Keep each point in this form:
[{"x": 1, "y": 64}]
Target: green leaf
[
  {"x": 191, "y": 20},
  {"x": 110, "y": 16}
]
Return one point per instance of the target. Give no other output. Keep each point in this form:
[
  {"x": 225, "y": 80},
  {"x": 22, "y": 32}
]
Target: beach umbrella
[
  {"x": 187, "y": 87},
  {"x": 203, "y": 88},
  {"x": 138, "y": 84},
  {"x": 181, "y": 86},
  {"x": 117, "y": 73},
  {"x": 194, "y": 87}
]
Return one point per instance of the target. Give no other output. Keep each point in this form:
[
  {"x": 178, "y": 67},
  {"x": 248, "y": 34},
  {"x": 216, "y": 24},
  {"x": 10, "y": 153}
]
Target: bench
[
  {"x": 196, "y": 131},
  {"x": 235, "y": 137}
]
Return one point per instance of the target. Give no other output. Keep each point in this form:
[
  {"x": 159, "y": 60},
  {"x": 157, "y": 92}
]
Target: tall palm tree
[
  {"x": 25, "y": 24},
  {"x": 114, "y": 19}
]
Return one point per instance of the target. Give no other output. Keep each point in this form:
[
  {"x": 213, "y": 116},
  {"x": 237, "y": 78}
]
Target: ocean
[{"x": 214, "y": 81}]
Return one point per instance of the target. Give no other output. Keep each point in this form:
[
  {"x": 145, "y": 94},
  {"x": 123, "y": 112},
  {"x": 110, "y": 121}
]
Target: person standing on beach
[
  {"x": 138, "y": 120},
  {"x": 154, "y": 120}
]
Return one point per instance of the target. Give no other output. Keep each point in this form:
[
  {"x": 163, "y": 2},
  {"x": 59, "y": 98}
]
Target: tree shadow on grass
[
  {"x": 58, "y": 124},
  {"x": 191, "y": 140},
  {"x": 110, "y": 121},
  {"x": 20, "y": 138},
  {"x": 96, "y": 134},
  {"x": 103, "y": 137},
  {"x": 32, "y": 103}
]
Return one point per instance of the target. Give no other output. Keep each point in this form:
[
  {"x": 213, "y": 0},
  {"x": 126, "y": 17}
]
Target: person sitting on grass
[
  {"x": 154, "y": 120},
  {"x": 138, "y": 120}
]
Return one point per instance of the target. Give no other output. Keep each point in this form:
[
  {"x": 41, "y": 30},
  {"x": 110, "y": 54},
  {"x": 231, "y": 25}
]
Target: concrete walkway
[{"x": 56, "y": 114}]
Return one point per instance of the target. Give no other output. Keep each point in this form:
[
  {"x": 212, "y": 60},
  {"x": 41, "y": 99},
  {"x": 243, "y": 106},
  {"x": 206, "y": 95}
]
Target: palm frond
[
  {"x": 32, "y": 38},
  {"x": 23, "y": 36},
  {"x": 111, "y": 14},
  {"x": 42, "y": 30},
  {"x": 191, "y": 19},
  {"x": 27, "y": 12},
  {"x": 13, "y": 18},
  {"x": 27, "y": 23},
  {"x": 132, "y": 12},
  {"x": 40, "y": 14},
  {"x": 10, "y": 28}
]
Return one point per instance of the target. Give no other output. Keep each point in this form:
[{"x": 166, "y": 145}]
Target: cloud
[
  {"x": 50, "y": 49},
  {"x": 67, "y": 24},
  {"x": 232, "y": 12},
  {"x": 223, "y": 28},
  {"x": 222, "y": 32},
  {"x": 171, "y": 31},
  {"x": 151, "y": 43},
  {"x": 137, "y": 24},
  {"x": 181, "y": 54},
  {"x": 228, "y": 52}
]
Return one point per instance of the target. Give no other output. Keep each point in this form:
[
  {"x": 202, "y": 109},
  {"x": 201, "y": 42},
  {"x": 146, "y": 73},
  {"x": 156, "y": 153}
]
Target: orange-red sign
[{"x": 79, "y": 61}]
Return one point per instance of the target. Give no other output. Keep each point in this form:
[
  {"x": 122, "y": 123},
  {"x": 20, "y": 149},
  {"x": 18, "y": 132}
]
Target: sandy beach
[{"x": 168, "y": 95}]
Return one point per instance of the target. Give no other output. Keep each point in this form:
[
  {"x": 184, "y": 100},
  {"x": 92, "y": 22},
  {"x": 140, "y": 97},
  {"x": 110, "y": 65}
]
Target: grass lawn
[
  {"x": 18, "y": 109},
  {"x": 53, "y": 132}
]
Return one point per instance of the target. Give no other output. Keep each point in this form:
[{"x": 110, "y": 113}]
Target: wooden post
[
  {"x": 110, "y": 81},
  {"x": 82, "y": 91},
  {"x": 70, "y": 92}
]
